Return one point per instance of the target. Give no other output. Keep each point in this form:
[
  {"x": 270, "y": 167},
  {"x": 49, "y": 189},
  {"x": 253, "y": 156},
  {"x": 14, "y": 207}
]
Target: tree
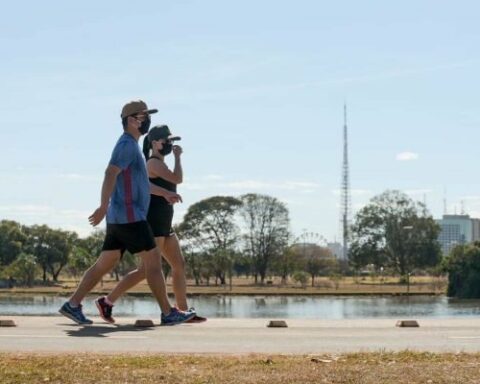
[
  {"x": 51, "y": 248},
  {"x": 79, "y": 261},
  {"x": 463, "y": 267},
  {"x": 266, "y": 222},
  {"x": 242, "y": 265},
  {"x": 288, "y": 262},
  {"x": 396, "y": 232},
  {"x": 316, "y": 260},
  {"x": 23, "y": 269},
  {"x": 300, "y": 277},
  {"x": 12, "y": 239},
  {"x": 209, "y": 228},
  {"x": 93, "y": 244}
]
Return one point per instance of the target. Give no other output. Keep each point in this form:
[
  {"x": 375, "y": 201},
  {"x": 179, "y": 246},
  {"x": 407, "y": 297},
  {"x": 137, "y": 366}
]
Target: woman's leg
[
  {"x": 171, "y": 251},
  {"x": 105, "y": 262},
  {"x": 128, "y": 281}
]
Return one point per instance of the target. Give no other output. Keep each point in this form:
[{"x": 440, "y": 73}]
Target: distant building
[
  {"x": 336, "y": 249},
  {"x": 457, "y": 229},
  {"x": 476, "y": 229}
]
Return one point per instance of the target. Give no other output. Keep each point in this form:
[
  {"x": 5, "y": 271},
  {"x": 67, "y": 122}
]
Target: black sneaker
[
  {"x": 105, "y": 310},
  {"x": 74, "y": 313}
]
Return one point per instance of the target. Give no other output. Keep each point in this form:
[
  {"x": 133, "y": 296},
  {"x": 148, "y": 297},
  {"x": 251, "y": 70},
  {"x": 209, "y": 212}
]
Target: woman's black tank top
[{"x": 164, "y": 184}]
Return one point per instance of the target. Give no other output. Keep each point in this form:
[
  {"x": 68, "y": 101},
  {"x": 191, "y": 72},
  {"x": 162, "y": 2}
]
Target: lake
[{"x": 285, "y": 307}]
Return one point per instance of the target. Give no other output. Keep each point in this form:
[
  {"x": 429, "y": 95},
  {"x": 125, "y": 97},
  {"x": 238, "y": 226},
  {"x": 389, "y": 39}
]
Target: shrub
[
  {"x": 463, "y": 267},
  {"x": 300, "y": 277}
]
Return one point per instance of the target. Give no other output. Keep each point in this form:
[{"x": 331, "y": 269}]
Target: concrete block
[
  {"x": 144, "y": 323},
  {"x": 7, "y": 323},
  {"x": 277, "y": 324},
  {"x": 407, "y": 324}
]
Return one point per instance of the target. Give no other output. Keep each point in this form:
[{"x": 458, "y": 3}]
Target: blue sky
[{"x": 255, "y": 88}]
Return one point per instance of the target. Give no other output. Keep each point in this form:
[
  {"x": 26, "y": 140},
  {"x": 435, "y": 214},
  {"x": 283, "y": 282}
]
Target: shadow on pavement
[{"x": 103, "y": 330}]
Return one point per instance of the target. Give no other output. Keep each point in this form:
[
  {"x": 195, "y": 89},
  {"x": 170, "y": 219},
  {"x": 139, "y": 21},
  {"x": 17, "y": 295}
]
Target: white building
[{"x": 457, "y": 229}]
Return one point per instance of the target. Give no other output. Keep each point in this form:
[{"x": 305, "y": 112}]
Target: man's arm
[{"x": 109, "y": 180}]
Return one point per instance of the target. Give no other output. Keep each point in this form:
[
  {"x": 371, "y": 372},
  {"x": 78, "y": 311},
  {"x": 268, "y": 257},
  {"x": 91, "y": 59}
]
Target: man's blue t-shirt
[{"x": 131, "y": 196}]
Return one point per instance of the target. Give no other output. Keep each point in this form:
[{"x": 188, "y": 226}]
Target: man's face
[
  {"x": 140, "y": 117},
  {"x": 140, "y": 121}
]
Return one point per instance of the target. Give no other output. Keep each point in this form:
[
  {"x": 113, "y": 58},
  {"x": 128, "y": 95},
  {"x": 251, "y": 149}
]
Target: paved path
[{"x": 239, "y": 336}]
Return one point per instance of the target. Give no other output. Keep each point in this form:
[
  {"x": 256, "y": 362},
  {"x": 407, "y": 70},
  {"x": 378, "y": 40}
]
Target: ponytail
[{"x": 146, "y": 147}]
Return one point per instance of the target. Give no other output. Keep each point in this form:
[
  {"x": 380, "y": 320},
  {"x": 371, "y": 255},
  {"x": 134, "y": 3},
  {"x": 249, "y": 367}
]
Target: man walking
[{"x": 125, "y": 199}]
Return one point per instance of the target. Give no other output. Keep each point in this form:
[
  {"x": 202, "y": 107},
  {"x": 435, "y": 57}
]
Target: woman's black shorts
[{"x": 160, "y": 216}]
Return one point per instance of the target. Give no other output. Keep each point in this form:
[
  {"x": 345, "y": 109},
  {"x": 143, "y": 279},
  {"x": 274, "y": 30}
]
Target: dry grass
[
  {"x": 243, "y": 286},
  {"x": 371, "y": 368}
]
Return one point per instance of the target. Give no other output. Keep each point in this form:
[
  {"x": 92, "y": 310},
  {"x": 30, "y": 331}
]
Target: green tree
[
  {"x": 316, "y": 260},
  {"x": 463, "y": 267},
  {"x": 12, "y": 239},
  {"x": 300, "y": 277},
  {"x": 93, "y": 244},
  {"x": 395, "y": 232},
  {"x": 242, "y": 265},
  {"x": 288, "y": 262},
  {"x": 80, "y": 260},
  {"x": 51, "y": 247},
  {"x": 85, "y": 252},
  {"x": 208, "y": 227},
  {"x": 266, "y": 231},
  {"x": 23, "y": 269}
]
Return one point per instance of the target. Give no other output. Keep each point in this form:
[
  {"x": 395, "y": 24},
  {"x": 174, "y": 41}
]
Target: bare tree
[{"x": 266, "y": 228}]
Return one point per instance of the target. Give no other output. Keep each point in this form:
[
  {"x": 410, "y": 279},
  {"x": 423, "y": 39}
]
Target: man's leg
[
  {"x": 104, "y": 264},
  {"x": 72, "y": 308}
]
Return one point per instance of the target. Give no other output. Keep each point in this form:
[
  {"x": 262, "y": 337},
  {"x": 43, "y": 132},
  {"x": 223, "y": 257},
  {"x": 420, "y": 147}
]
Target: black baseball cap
[{"x": 159, "y": 132}]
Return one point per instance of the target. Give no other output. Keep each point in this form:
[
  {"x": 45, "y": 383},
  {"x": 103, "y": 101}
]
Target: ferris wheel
[{"x": 310, "y": 238}]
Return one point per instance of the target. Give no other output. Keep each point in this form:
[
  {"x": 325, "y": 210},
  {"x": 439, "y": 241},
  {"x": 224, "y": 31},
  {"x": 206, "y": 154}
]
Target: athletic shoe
[
  {"x": 196, "y": 318},
  {"x": 176, "y": 317},
  {"x": 74, "y": 313},
  {"x": 105, "y": 310}
]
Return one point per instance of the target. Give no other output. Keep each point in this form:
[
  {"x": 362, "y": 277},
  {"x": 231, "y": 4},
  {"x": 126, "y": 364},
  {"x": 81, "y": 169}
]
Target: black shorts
[
  {"x": 134, "y": 237},
  {"x": 160, "y": 218}
]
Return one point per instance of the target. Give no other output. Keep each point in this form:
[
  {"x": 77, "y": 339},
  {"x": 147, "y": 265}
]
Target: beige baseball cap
[{"x": 136, "y": 106}]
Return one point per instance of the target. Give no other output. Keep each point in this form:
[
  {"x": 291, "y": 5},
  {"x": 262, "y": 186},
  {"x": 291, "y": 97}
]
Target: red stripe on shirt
[{"x": 127, "y": 183}]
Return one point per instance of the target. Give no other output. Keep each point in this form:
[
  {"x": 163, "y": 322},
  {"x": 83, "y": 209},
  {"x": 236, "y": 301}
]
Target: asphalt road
[{"x": 239, "y": 336}]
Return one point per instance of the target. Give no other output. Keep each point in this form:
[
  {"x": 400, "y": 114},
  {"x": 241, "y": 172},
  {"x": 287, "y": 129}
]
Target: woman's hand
[
  {"x": 177, "y": 150},
  {"x": 173, "y": 198}
]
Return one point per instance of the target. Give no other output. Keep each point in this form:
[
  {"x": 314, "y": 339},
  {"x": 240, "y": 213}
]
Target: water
[{"x": 286, "y": 307}]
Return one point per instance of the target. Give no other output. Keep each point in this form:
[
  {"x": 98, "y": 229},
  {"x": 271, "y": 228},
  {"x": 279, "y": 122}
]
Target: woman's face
[{"x": 157, "y": 145}]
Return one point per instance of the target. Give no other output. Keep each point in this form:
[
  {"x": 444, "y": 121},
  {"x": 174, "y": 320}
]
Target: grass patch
[{"x": 369, "y": 368}]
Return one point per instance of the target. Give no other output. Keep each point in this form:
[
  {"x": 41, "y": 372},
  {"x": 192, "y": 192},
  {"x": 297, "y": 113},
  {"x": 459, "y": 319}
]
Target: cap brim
[
  {"x": 150, "y": 111},
  {"x": 174, "y": 138}
]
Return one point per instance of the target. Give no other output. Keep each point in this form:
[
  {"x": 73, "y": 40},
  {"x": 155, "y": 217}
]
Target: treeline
[
  {"x": 225, "y": 236},
  {"x": 221, "y": 237}
]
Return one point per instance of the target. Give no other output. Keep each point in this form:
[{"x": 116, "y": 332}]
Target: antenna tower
[{"x": 345, "y": 203}]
